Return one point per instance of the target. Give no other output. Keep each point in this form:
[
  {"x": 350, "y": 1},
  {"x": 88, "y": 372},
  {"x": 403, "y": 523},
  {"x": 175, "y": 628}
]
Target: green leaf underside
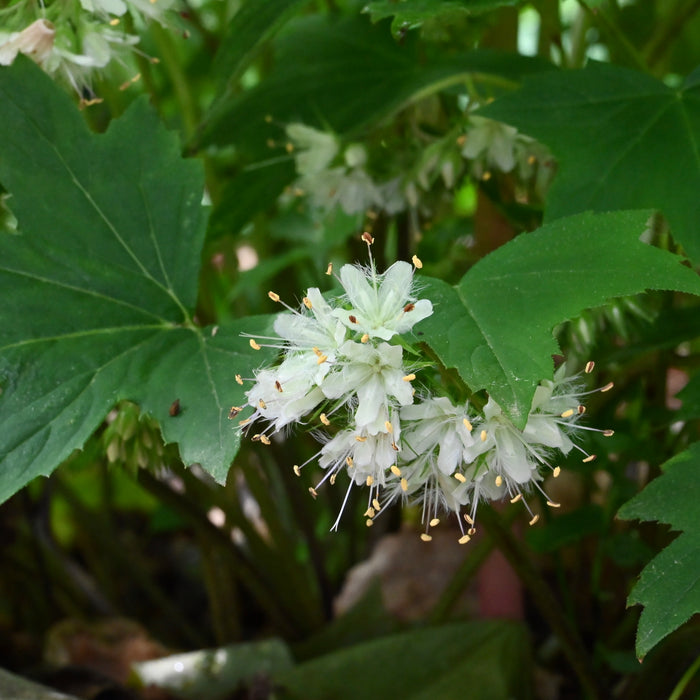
[
  {"x": 410, "y": 14},
  {"x": 623, "y": 140},
  {"x": 669, "y": 586},
  {"x": 364, "y": 77},
  {"x": 495, "y": 326},
  {"x": 465, "y": 660},
  {"x": 98, "y": 287}
]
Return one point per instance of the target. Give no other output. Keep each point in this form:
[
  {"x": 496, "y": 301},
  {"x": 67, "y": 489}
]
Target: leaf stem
[{"x": 543, "y": 597}]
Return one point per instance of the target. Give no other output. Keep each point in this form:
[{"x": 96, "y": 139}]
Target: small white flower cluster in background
[
  {"x": 332, "y": 175},
  {"x": 72, "y": 39},
  {"x": 348, "y": 372}
]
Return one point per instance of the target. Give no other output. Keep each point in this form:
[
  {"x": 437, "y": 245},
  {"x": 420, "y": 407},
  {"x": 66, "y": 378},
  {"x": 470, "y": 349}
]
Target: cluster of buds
[
  {"x": 73, "y": 39},
  {"x": 348, "y": 371}
]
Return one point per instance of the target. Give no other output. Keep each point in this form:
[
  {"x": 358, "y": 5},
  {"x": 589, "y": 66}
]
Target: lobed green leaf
[
  {"x": 495, "y": 327},
  {"x": 623, "y": 140},
  {"x": 99, "y": 286},
  {"x": 669, "y": 587}
]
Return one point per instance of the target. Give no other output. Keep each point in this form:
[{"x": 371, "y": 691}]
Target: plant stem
[
  {"x": 662, "y": 39},
  {"x": 616, "y": 37},
  {"x": 543, "y": 597}
]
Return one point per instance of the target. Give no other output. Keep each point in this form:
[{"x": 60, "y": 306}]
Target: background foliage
[{"x": 139, "y": 238}]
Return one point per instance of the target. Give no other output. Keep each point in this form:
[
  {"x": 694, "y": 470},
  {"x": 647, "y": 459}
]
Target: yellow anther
[
  {"x": 608, "y": 433},
  {"x": 262, "y": 404},
  {"x": 297, "y": 471},
  {"x": 323, "y": 418},
  {"x": 515, "y": 499},
  {"x": 531, "y": 160},
  {"x": 265, "y": 440},
  {"x": 607, "y": 387},
  {"x": 388, "y": 427},
  {"x": 289, "y": 147},
  {"x": 253, "y": 344},
  {"x": 409, "y": 377},
  {"x": 348, "y": 461},
  {"x": 113, "y": 22},
  {"x": 499, "y": 480},
  {"x": 360, "y": 438},
  {"x": 486, "y": 176},
  {"x": 404, "y": 485},
  {"x": 568, "y": 413},
  {"x": 273, "y": 296},
  {"x": 395, "y": 470},
  {"x": 376, "y": 505},
  {"x": 434, "y": 522},
  {"x": 369, "y": 513},
  {"x": 589, "y": 367},
  {"x": 278, "y": 386},
  {"x": 369, "y": 522},
  {"x": 471, "y": 531},
  {"x": 467, "y": 425},
  {"x": 332, "y": 479},
  {"x": 552, "y": 504},
  {"x": 235, "y": 410},
  {"x": 460, "y": 477},
  {"x": 534, "y": 519},
  {"x": 581, "y": 409},
  {"x": 321, "y": 359},
  {"x": 590, "y": 458},
  {"x": 307, "y": 303},
  {"x": 367, "y": 238},
  {"x": 370, "y": 480},
  {"x": 316, "y": 351},
  {"x": 417, "y": 262},
  {"x": 464, "y": 539},
  {"x": 426, "y": 537},
  {"x": 483, "y": 436},
  {"x": 329, "y": 269},
  {"x": 312, "y": 491},
  {"x": 467, "y": 517},
  {"x": 239, "y": 379},
  {"x": 556, "y": 472},
  {"x": 245, "y": 421},
  {"x": 364, "y": 338}
]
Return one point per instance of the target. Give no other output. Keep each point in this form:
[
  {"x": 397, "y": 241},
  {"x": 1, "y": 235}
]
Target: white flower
[
  {"x": 491, "y": 142},
  {"x": 35, "y": 41},
  {"x": 315, "y": 149},
  {"x": 287, "y": 393},
  {"x": 375, "y": 377},
  {"x": 382, "y": 305},
  {"x": 367, "y": 458},
  {"x": 438, "y": 432},
  {"x": 319, "y": 331}
]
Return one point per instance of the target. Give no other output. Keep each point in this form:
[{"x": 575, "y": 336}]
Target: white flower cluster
[
  {"x": 344, "y": 371},
  {"x": 72, "y": 39},
  {"x": 333, "y": 179},
  {"x": 335, "y": 176}
]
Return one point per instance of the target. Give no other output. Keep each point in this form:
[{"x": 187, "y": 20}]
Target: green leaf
[
  {"x": 690, "y": 396},
  {"x": 215, "y": 673},
  {"x": 99, "y": 286},
  {"x": 495, "y": 326},
  {"x": 17, "y": 688},
  {"x": 669, "y": 586},
  {"x": 343, "y": 75},
  {"x": 462, "y": 660},
  {"x": 410, "y": 14},
  {"x": 253, "y": 24},
  {"x": 623, "y": 140},
  {"x": 252, "y": 191}
]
